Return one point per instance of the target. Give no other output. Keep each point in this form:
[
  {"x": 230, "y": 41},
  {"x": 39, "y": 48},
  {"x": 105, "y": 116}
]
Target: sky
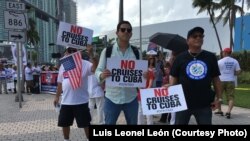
[{"x": 102, "y": 15}]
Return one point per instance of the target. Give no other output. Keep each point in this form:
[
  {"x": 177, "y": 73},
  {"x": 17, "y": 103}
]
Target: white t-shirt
[
  {"x": 79, "y": 95},
  {"x": 28, "y": 73},
  {"x": 37, "y": 70},
  {"x": 228, "y": 66},
  {"x": 94, "y": 88},
  {"x": 2, "y": 74}
]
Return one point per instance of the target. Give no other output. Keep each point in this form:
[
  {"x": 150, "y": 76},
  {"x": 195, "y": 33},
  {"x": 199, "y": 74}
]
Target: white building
[{"x": 181, "y": 27}]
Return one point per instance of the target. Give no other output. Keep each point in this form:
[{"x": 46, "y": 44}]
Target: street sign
[
  {"x": 17, "y": 36},
  {"x": 15, "y": 20},
  {"x": 17, "y": 6}
]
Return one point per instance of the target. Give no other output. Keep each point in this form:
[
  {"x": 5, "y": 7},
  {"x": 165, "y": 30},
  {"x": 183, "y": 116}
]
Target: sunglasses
[
  {"x": 196, "y": 36},
  {"x": 126, "y": 29},
  {"x": 72, "y": 50}
]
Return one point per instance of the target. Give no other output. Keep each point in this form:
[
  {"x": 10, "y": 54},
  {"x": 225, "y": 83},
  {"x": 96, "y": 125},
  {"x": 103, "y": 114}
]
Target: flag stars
[{"x": 68, "y": 63}]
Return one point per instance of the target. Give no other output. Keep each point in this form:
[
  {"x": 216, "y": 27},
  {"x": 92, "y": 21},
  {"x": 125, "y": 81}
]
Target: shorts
[
  {"x": 228, "y": 88},
  {"x": 70, "y": 112}
]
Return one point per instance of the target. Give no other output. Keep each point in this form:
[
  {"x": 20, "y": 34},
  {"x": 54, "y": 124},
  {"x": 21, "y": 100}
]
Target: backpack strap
[
  {"x": 135, "y": 50},
  {"x": 109, "y": 51}
]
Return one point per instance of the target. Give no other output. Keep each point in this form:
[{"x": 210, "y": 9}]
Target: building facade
[
  {"x": 3, "y": 31},
  {"x": 242, "y": 33},
  {"x": 181, "y": 27},
  {"x": 46, "y": 14}
]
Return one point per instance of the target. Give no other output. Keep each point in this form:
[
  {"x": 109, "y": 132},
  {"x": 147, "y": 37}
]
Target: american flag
[{"x": 73, "y": 66}]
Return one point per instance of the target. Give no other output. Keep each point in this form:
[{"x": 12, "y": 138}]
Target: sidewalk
[{"x": 37, "y": 119}]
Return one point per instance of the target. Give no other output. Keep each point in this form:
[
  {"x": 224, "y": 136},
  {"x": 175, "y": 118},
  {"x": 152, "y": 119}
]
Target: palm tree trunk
[
  {"x": 216, "y": 32},
  {"x": 231, "y": 23}
]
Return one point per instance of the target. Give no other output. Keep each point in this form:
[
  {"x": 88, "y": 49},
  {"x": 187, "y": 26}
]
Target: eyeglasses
[
  {"x": 198, "y": 35},
  {"x": 126, "y": 29}
]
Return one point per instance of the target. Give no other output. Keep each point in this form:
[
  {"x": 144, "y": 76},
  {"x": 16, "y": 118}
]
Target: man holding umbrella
[{"x": 196, "y": 69}]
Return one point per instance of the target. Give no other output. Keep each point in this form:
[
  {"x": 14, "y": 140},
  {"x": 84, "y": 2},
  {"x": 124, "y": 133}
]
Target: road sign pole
[{"x": 19, "y": 70}]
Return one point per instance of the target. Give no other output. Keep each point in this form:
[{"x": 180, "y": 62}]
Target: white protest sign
[
  {"x": 74, "y": 36},
  {"x": 126, "y": 73},
  {"x": 161, "y": 100}
]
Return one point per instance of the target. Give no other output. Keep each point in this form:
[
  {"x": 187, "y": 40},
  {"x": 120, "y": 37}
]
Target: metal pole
[
  {"x": 19, "y": 70},
  {"x": 121, "y": 11},
  {"x": 140, "y": 28}
]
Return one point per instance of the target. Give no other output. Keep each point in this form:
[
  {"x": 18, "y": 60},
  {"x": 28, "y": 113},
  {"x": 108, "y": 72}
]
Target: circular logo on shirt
[{"x": 196, "y": 69}]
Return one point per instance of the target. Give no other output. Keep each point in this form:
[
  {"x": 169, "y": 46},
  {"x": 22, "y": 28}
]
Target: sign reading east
[{"x": 10, "y": 5}]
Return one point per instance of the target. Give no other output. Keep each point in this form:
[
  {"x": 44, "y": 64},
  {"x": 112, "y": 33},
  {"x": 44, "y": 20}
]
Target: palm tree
[
  {"x": 210, "y": 7},
  {"x": 228, "y": 14},
  {"x": 32, "y": 34}
]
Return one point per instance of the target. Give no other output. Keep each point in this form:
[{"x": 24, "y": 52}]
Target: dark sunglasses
[
  {"x": 72, "y": 50},
  {"x": 196, "y": 36},
  {"x": 124, "y": 29}
]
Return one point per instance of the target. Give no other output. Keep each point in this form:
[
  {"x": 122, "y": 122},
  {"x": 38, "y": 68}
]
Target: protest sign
[
  {"x": 74, "y": 36},
  {"x": 126, "y": 73},
  {"x": 162, "y": 100}
]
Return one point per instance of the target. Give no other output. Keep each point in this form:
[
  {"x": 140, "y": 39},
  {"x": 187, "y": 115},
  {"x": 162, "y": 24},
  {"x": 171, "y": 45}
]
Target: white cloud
[{"x": 102, "y": 15}]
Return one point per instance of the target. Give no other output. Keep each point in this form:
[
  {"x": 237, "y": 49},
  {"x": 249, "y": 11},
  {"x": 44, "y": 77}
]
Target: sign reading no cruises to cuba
[{"x": 73, "y": 35}]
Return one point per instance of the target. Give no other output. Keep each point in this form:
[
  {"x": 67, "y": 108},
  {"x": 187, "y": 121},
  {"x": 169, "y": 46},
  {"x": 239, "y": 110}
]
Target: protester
[
  {"x": 29, "y": 79},
  {"x": 96, "y": 93},
  {"x": 3, "y": 79},
  {"x": 196, "y": 69},
  {"x": 150, "y": 83},
  {"x": 36, "y": 75},
  {"x": 74, "y": 102},
  {"x": 170, "y": 117},
  {"x": 14, "y": 73},
  {"x": 229, "y": 67},
  {"x": 159, "y": 74},
  {"x": 119, "y": 99}
]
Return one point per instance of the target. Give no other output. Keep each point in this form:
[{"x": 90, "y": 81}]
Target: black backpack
[{"x": 135, "y": 50}]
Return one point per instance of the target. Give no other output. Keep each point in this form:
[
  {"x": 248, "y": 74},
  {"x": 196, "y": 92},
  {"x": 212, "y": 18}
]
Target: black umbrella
[{"x": 169, "y": 41}]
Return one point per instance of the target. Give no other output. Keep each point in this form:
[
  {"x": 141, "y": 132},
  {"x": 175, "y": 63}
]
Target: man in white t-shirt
[
  {"x": 229, "y": 67},
  {"x": 74, "y": 102},
  {"x": 29, "y": 78}
]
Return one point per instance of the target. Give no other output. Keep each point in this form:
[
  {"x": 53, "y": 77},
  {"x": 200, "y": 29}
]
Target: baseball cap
[
  {"x": 195, "y": 29},
  {"x": 227, "y": 50}
]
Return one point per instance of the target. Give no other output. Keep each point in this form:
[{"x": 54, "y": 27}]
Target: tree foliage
[
  {"x": 32, "y": 34},
  {"x": 210, "y": 7}
]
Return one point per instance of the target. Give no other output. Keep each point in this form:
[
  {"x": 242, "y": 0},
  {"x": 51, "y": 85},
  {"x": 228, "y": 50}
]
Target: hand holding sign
[{"x": 106, "y": 73}]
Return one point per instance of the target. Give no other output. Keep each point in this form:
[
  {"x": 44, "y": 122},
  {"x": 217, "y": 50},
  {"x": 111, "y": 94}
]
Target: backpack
[{"x": 135, "y": 50}]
